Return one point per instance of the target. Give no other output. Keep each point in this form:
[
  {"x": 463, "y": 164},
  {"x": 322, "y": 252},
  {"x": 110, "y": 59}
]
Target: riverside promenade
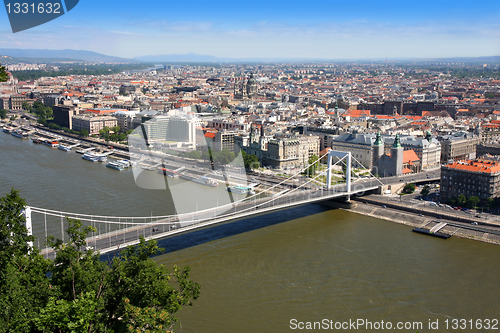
[{"x": 428, "y": 217}]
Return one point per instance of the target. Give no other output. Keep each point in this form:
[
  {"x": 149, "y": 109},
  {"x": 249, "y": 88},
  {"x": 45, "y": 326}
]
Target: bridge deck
[{"x": 175, "y": 225}]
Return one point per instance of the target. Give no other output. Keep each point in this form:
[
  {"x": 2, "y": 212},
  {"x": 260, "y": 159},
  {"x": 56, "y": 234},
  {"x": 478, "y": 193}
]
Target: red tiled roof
[
  {"x": 475, "y": 166},
  {"x": 410, "y": 156},
  {"x": 406, "y": 170}
]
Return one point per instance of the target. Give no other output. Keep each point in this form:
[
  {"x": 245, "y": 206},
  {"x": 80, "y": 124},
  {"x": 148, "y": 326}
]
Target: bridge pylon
[{"x": 341, "y": 155}]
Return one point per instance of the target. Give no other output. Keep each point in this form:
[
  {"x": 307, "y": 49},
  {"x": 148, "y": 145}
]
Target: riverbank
[{"x": 460, "y": 229}]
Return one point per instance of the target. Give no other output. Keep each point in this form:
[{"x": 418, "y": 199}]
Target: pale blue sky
[{"x": 270, "y": 29}]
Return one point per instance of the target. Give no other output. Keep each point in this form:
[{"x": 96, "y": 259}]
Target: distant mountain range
[
  {"x": 67, "y": 54},
  {"x": 82, "y": 55},
  {"x": 189, "y": 57}
]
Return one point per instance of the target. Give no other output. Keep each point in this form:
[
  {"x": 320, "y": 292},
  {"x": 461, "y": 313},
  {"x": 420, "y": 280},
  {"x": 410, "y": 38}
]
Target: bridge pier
[
  {"x": 343, "y": 202},
  {"x": 341, "y": 155}
]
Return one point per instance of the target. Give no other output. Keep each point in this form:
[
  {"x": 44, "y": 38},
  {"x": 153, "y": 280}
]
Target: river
[{"x": 273, "y": 272}]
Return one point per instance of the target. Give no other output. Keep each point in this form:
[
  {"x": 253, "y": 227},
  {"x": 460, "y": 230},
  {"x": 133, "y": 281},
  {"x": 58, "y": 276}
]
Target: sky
[{"x": 270, "y": 29}]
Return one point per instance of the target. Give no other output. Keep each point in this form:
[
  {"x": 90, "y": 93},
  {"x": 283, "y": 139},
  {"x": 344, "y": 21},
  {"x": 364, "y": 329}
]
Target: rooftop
[{"x": 481, "y": 166}]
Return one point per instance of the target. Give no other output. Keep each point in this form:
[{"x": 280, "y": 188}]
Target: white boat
[
  {"x": 239, "y": 189},
  {"x": 115, "y": 165},
  {"x": 7, "y": 130},
  {"x": 90, "y": 157},
  {"x": 51, "y": 143},
  {"x": 101, "y": 157},
  {"x": 96, "y": 156},
  {"x": 64, "y": 148},
  {"x": 17, "y": 134},
  {"x": 125, "y": 163}
]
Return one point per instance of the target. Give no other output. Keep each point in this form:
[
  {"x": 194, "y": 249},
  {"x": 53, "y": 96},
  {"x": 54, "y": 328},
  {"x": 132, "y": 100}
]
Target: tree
[
  {"x": 425, "y": 191},
  {"x": 26, "y": 106},
  {"x": 3, "y": 74},
  {"x": 250, "y": 161},
  {"x": 461, "y": 200},
  {"x": 131, "y": 285},
  {"x": 83, "y": 293},
  {"x": 194, "y": 154},
  {"x": 3, "y": 113},
  {"x": 223, "y": 157},
  {"x": 206, "y": 154},
  {"x": 409, "y": 188},
  {"x": 311, "y": 171},
  {"x": 24, "y": 288},
  {"x": 472, "y": 201},
  {"x": 490, "y": 202}
]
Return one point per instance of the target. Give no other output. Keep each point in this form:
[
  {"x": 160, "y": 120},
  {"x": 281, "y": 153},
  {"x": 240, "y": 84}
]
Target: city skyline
[{"x": 284, "y": 30}]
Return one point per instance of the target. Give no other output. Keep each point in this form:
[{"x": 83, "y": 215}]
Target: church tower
[
  {"x": 397, "y": 156},
  {"x": 428, "y": 136},
  {"x": 378, "y": 151}
]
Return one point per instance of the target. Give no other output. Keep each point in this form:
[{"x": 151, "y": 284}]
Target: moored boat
[
  {"x": 17, "y": 134},
  {"x": 89, "y": 157},
  {"x": 240, "y": 189},
  {"x": 64, "y": 148},
  {"x": 51, "y": 143},
  {"x": 115, "y": 165}
]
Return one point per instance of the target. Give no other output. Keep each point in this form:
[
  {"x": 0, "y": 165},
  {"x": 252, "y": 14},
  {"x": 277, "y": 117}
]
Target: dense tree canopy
[
  {"x": 3, "y": 74},
  {"x": 425, "y": 191},
  {"x": 251, "y": 161},
  {"x": 78, "y": 292},
  {"x": 409, "y": 188}
]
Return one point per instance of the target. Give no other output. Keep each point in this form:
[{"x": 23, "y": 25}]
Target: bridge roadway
[{"x": 177, "y": 224}]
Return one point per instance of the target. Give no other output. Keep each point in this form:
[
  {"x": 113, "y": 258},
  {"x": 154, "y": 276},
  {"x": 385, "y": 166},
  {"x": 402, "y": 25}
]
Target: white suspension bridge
[{"x": 116, "y": 232}]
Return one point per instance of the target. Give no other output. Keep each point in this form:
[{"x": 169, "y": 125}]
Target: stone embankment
[{"x": 413, "y": 217}]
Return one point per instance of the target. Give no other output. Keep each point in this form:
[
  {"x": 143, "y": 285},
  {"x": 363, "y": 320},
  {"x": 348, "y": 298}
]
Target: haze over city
[{"x": 270, "y": 30}]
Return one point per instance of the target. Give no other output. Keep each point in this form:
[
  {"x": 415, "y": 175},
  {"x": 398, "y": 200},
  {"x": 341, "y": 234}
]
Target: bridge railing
[{"x": 116, "y": 228}]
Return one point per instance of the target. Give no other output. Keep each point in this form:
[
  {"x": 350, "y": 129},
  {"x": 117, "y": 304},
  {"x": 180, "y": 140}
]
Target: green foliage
[
  {"x": 311, "y": 171},
  {"x": 461, "y": 200},
  {"x": 206, "y": 155},
  {"x": 26, "y": 106},
  {"x": 82, "y": 293},
  {"x": 42, "y": 121},
  {"x": 13, "y": 118},
  {"x": 251, "y": 161},
  {"x": 193, "y": 154},
  {"x": 24, "y": 288},
  {"x": 68, "y": 316},
  {"x": 223, "y": 157},
  {"x": 3, "y": 113},
  {"x": 42, "y": 111},
  {"x": 83, "y": 133},
  {"x": 77, "y": 69},
  {"x": 425, "y": 191},
  {"x": 3, "y": 74},
  {"x": 472, "y": 201},
  {"x": 490, "y": 202},
  {"x": 409, "y": 188},
  {"x": 54, "y": 126},
  {"x": 105, "y": 133}
]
